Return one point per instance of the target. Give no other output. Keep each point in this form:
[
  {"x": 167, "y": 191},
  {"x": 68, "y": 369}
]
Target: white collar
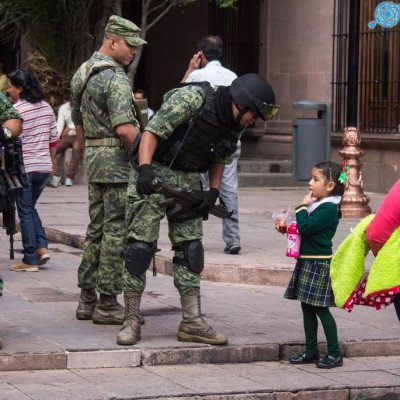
[
  {"x": 330, "y": 199},
  {"x": 213, "y": 62}
]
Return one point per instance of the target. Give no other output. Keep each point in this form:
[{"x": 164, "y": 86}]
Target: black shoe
[
  {"x": 330, "y": 362},
  {"x": 232, "y": 249},
  {"x": 303, "y": 359}
]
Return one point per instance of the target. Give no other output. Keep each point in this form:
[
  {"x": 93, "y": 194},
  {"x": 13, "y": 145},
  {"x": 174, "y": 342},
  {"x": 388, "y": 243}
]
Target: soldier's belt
[{"x": 112, "y": 142}]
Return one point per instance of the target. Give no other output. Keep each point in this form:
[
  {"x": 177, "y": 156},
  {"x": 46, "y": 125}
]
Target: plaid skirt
[{"x": 311, "y": 283}]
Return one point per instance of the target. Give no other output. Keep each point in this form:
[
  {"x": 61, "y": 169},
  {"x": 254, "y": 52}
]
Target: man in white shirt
[
  {"x": 68, "y": 139},
  {"x": 205, "y": 65}
]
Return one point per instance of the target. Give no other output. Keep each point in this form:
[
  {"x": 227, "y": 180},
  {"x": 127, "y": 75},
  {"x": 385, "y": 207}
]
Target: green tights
[{"x": 310, "y": 322}]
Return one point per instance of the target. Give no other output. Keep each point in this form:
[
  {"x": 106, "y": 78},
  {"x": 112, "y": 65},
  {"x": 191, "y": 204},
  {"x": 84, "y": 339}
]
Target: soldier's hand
[
  {"x": 145, "y": 180},
  {"x": 209, "y": 199}
]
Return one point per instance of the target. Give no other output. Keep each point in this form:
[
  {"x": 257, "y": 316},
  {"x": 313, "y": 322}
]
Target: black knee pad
[
  {"x": 193, "y": 256},
  {"x": 138, "y": 256}
]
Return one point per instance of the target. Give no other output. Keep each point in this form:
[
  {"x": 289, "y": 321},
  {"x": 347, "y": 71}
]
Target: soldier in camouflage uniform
[
  {"x": 104, "y": 118},
  {"x": 195, "y": 130},
  {"x": 11, "y": 127}
]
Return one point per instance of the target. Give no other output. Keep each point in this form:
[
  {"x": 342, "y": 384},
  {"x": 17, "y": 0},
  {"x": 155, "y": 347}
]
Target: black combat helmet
[{"x": 251, "y": 92}]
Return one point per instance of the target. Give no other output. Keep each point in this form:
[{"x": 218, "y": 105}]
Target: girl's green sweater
[{"x": 317, "y": 231}]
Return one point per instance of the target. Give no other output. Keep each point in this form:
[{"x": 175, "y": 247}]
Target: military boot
[
  {"x": 87, "y": 303},
  {"x": 108, "y": 311},
  {"x": 193, "y": 328},
  {"x": 130, "y": 333}
]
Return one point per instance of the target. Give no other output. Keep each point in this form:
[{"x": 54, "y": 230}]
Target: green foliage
[
  {"x": 226, "y": 3},
  {"x": 66, "y": 32},
  {"x": 54, "y": 28}
]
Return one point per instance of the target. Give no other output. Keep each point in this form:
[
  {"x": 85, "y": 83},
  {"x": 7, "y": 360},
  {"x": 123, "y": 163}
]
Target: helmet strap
[{"x": 242, "y": 111}]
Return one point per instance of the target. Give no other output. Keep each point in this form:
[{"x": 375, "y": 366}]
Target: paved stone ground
[
  {"x": 47, "y": 351},
  {"x": 261, "y": 261},
  {"x": 360, "y": 378}
]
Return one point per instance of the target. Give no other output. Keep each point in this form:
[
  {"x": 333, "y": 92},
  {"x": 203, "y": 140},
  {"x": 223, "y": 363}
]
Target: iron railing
[{"x": 378, "y": 106}]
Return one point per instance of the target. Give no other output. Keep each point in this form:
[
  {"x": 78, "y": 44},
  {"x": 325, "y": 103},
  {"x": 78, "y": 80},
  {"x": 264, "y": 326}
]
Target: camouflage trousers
[
  {"x": 143, "y": 216},
  {"x": 102, "y": 263}
]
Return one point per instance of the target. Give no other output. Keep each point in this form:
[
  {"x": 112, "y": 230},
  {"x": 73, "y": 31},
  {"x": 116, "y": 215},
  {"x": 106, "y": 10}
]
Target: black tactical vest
[{"x": 193, "y": 147}]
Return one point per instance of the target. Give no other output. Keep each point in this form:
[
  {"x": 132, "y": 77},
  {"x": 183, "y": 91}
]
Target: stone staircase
[
  {"x": 252, "y": 172},
  {"x": 268, "y": 173}
]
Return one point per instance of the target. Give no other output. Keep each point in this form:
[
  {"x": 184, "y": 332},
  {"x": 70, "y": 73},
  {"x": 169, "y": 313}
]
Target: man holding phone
[{"x": 205, "y": 65}]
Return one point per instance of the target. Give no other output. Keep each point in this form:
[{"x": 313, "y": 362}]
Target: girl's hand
[{"x": 307, "y": 199}]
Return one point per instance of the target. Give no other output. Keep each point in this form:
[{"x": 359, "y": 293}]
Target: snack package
[{"x": 282, "y": 220}]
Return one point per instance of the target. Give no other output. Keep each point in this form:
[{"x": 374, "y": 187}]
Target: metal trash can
[{"x": 311, "y": 138}]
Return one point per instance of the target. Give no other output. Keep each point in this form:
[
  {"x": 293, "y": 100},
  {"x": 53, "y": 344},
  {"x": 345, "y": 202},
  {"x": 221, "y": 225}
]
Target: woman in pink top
[
  {"x": 385, "y": 222},
  {"x": 39, "y": 142}
]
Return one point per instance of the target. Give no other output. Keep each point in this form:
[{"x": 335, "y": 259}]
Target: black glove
[
  {"x": 209, "y": 199},
  {"x": 145, "y": 180}
]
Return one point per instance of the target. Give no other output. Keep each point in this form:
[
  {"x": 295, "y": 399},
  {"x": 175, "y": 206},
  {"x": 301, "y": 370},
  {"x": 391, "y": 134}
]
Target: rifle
[
  {"x": 186, "y": 200},
  {"x": 13, "y": 180}
]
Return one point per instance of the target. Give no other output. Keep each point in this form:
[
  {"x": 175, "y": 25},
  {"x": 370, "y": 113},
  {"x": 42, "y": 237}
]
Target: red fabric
[
  {"x": 378, "y": 299},
  {"x": 386, "y": 220}
]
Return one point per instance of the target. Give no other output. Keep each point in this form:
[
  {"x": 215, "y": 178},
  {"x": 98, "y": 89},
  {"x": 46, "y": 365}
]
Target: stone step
[
  {"x": 144, "y": 353},
  {"x": 264, "y": 166},
  {"x": 266, "y": 173},
  {"x": 249, "y": 179}
]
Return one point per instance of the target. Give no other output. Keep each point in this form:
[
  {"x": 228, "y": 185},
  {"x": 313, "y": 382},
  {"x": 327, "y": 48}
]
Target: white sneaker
[{"x": 68, "y": 182}]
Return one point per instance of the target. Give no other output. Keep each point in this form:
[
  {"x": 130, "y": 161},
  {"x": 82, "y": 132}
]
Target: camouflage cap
[{"x": 126, "y": 29}]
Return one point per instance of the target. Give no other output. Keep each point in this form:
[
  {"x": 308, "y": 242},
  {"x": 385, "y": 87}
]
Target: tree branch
[{"x": 162, "y": 14}]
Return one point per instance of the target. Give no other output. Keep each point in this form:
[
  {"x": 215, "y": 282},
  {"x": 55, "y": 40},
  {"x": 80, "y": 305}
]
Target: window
[
  {"x": 379, "y": 71},
  {"x": 239, "y": 29}
]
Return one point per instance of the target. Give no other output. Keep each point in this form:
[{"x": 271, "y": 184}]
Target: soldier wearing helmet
[
  {"x": 251, "y": 92},
  {"x": 195, "y": 130}
]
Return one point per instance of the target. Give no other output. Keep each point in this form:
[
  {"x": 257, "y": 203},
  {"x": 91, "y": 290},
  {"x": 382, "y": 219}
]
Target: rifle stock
[{"x": 188, "y": 200}]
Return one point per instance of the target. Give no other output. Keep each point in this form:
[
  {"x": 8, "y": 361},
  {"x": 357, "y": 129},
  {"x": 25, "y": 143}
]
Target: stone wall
[{"x": 296, "y": 54}]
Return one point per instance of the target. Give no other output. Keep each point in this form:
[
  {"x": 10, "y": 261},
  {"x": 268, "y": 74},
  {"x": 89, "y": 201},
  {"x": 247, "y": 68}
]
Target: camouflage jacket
[
  {"x": 106, "y": 103},
  {"x": 7, "y": 111}
]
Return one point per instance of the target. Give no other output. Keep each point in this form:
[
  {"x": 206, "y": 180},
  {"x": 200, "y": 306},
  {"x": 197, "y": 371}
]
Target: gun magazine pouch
[
  {"x": 193, "y": 257},
  {"x": 138, "y": 256},
  {"x": 141, "y": 111}
]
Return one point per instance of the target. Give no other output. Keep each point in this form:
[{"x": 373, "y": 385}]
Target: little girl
[{"x": 317, "y": 219}]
